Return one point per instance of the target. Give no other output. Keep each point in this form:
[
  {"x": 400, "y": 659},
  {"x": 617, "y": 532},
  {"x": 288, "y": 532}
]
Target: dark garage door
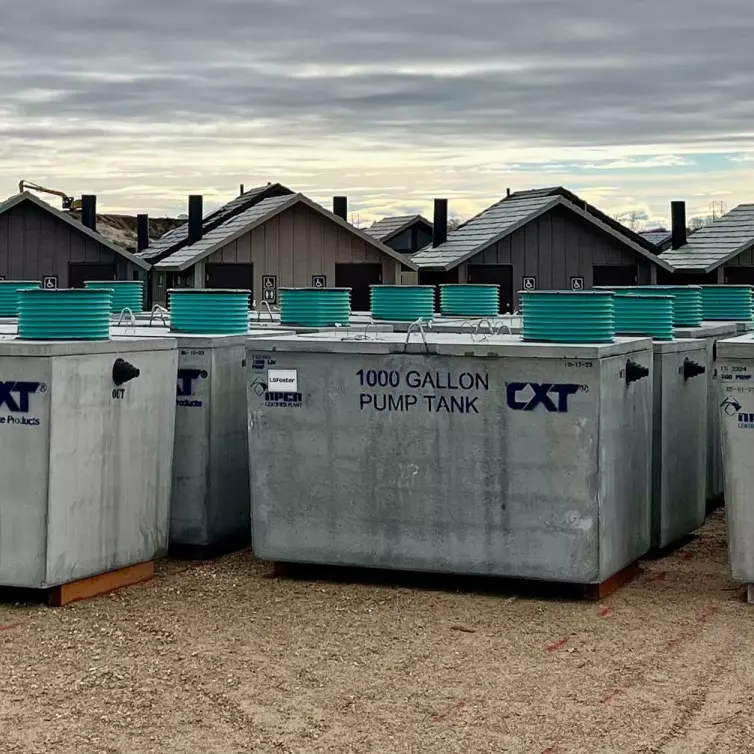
[
  {"x": 80, "y": 272},
  {"x": 358, "y": 277},
  {"x": 238, "y": 276},
  {"x": 738, "y": 275},
  {"x": 617, "y": 275},
  {"x": 438, "y": 278},
  {"x": 495, "y": 274}
]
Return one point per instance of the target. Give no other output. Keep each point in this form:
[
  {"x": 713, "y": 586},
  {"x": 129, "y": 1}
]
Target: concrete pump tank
[
  {"x": 86, "y": 427},
  {"x": 710, "y": 333},
  {"x": 679, "y": 416},
  {"x": 209, "y": 512},
  {"x": 451, "y": 453},
  {"x": 735, "y": 405}
]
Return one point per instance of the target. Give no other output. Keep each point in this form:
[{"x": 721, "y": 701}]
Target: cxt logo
[
  {"x": 527, "y": 396},
  {"x": 186, "y": 380},
  {"x": 15, "y": 395}
]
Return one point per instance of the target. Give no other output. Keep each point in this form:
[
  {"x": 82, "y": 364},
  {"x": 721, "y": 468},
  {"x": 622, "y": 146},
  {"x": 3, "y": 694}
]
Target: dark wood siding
[
  {"x": 745, "y": 259},
  {"x": 411, "y": 240},
  {"x": 35, "y": 243},
  {"x": 298, "y": 244},
  {"x": 557, "y": 247}
]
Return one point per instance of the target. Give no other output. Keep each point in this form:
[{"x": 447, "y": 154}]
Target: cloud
[{"x": 394, "y": 101}]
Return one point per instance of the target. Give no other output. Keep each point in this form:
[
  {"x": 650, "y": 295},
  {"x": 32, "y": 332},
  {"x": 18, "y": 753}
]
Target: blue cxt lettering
[
  {"x": 541, "y": 396},
  {"x": 186, "y": 379},
  {"x": 18, "y": 405}
]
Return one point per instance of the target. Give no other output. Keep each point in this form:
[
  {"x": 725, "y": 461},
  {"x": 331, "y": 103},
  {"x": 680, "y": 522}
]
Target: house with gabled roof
[
  {"x": 39, "y": 242},
  {"x": 546, "y": 239},
  {"x": 722, "y": 252},
  {"x": 198, "y": 225},
  {"x": 404, "y": 233},
  {"x": 662, "y": 240},
  {"x": 281, "y": 240}
]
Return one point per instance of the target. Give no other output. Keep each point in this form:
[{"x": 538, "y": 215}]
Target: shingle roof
[
  {"x": 253, "y": 217},
  {"x": 389, "y": 227},
  {"x": 715, "y": 244},
  {"x": 616, "y": 225},
  {"x": 502, "y": 219},
  {"x": 221, "y": 235},
  {"x": 14, "y": 201},
  {"x": 657, "y": 237},
  {"x": 175, "y": 239},
  {"x": 482, "y": 231}
]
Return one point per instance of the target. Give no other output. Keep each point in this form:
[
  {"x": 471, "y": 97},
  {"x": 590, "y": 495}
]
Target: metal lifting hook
[
  {"x": 161, "y": 311},
  {"x": 131, "y": 319},
  {"x": 366, "y": 331},
  {"x": 477, "y": 330},
  {"x": 499, "y": 326},
  {"x": 468, "y": 323},
  {"x": 418, "y": 326},
  {"x": 269, "y": 311}
]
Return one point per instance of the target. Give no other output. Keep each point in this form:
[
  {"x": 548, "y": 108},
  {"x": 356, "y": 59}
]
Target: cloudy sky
[{"x": 629, "y": 103}]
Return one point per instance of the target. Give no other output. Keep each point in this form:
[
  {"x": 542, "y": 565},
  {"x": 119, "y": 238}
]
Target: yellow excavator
[{"x": 68, "y": 201}]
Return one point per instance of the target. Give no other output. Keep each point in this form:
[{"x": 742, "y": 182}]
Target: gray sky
[{"x": 630, "y": 104}]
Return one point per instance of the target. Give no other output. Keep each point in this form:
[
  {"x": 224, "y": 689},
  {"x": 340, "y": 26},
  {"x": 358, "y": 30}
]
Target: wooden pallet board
[
  {"x": 488, "y": 584},
  {"x": 606, "y": 588},
  {"x": 102, "y": 583}
]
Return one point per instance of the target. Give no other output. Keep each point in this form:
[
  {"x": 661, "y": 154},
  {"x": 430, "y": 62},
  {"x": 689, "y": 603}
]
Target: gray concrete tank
[
  {"x": 711, "y": 333},
  {"x": 86, "y": 461},
  {"x": 209, "y": 513},
  {"x": 679, "y": 441},
  {"x": 455, "y": 455},
  {"x": 735, "y": 407}
]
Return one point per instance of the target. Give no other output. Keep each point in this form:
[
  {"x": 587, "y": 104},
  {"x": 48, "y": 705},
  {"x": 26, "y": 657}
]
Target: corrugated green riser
[
  {"x": 64, "y": 315},
  {"x": 402, "y": 304},
  {"x": 315, "y": 307},
  {"x": 687, "y": 303},
  {"x": 127, "y": 294},
  {"x": 637, "y": 316},
  {"x": 567, "y": 318},
  {"x": 209, "y": 312},
  {"x": 9, "y": 295},
  {"x": 470, "y": 300},
  {"x": 726, "y": 303}
]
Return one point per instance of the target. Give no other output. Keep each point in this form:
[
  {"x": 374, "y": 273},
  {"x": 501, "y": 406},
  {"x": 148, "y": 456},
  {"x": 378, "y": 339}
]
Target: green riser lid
[
  {"x": 64, "y": 314},
  {"x": 644, "y": 315},
  {"x": 9, "y": 295},
  {"x": 209, "y": 311},
  {"x": 687, "y": 304},
  {"x": 127, "y": 294},
  {"x": 315, "y": 307},
  {"x": 727, "y": 302},
  {"x": 403, "y": 303},
  {"x": 470, "y": 300},
  {"x": 565, "y": 317}
]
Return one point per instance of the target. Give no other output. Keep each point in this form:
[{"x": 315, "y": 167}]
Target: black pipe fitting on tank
[
  {"x": 692, "y": 369},
  {"x": 635, "y": 372},
  {"x": 124, "y": 372}
]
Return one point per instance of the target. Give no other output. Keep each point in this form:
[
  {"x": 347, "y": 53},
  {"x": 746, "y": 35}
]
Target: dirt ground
[{"x": 223, "y": 657}]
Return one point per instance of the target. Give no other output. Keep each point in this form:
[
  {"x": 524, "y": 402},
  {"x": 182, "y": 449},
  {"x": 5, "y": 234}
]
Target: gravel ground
[{"x": 223, "y": 657}]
